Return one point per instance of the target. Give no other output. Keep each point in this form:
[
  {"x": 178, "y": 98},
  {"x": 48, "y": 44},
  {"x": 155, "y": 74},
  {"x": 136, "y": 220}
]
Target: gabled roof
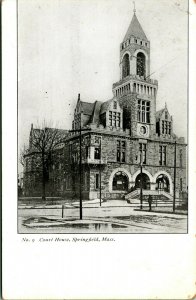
[
  {"x": 87, "y": 108},
  {"x": 135, "y": 29},
  {"x": 159, "y": 113}
]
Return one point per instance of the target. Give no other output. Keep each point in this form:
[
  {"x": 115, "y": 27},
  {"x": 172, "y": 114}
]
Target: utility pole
[
  {"x": 100, "y": 174},
  {"x": 80, "y": 163},
  {"x": 141, "y": 182},
  {"x": 174, "y": 194}
]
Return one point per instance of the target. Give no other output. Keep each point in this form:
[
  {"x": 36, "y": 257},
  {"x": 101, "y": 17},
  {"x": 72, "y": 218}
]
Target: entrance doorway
[
  {"x": 144, "y": 180},
  {"x": 120, "y": 182}
]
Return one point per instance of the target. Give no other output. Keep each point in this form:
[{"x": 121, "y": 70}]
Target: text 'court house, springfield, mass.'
[{"x": 125, "y": 142}]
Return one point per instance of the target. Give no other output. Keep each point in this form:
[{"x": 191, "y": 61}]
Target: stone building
[{"x": 125, "y": 132}]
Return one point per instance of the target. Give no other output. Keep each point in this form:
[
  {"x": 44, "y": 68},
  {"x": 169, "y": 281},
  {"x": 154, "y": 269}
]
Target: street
[{"x": 119, "y": 219}]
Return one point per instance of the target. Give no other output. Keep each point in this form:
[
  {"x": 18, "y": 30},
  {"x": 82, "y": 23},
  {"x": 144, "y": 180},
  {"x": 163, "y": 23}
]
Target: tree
[
  {"x": 23, "y": 152},
  {"x": 42, "y": 143}
]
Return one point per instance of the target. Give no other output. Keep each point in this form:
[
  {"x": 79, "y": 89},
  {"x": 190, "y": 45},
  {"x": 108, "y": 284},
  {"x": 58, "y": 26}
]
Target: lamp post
[
  {"x": 80, "y": 164},
  {"x": 174, "y": 195}
]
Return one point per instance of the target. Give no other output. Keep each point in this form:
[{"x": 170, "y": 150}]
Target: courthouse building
[{"x": 126, "y": 131}]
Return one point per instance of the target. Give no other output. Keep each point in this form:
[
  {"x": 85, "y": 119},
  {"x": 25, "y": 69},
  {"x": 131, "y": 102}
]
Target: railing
[{"x": 136, "y": 194}]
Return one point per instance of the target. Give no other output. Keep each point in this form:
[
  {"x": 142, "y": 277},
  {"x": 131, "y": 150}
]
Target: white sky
[{"x": 66, "y": 47}]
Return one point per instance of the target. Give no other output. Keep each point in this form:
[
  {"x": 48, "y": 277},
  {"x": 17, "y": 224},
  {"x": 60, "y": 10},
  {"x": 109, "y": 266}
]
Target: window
[
  {"x": 142, "y": 153},
  {"x": 125, "y": 66},
  {"x": 166, "y": 127},
  {"x": 180, "y": 158},
  {"x": 162, "y": 155},
  {"x": 97, "y": 153},
  {"x": 141, "y": 64},
  {"x": 115, "y": 105},
  {"x": 121, "y": 151},
  {"x": 96, "y": 181},
  {"x": 87, "y": 151},
  {"x": 114, "y": 119},
  {"x": 97, "y": 140},
  {"x": 143, "y": 111},
  {"x": 181, "y": 184}
]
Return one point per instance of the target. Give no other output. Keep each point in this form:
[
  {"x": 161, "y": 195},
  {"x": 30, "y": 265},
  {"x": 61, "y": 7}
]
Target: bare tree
[
  {"x": 43, "y": 141},
  {"x": 23, "y": 152}
]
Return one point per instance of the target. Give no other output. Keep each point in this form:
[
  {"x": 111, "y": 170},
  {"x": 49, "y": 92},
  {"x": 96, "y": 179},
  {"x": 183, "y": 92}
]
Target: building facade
[
  {"x": 119, "y": 145},
  {"x": 125, "y": 133}
]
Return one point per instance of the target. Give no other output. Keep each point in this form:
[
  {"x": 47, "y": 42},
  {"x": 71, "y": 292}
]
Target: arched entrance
[
  {"x": 162, "y": 183},
  {"x": 120, "y": 182},
  {"x": 141, "y": 64},
  {"x": 125, "y": 66},
  {"x": 144, "y": 180}
]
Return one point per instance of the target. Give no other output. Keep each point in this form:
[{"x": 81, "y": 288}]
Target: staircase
[{"x": 160, "y": 198}]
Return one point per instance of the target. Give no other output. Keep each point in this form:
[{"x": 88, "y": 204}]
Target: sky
[{"x": 66, "y": 47}]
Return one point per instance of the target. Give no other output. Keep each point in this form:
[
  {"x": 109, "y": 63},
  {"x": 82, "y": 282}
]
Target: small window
[
  {"x": 96, "y": 181},
  {"x": 97, "y": 140},
  {"x": 146, "y": 44},
  {"x": 136, "y": 41},
  {"x": 115, "y": 105},
  {"x": 141, "y": 43},
  {"x": 97, "y": 153}
]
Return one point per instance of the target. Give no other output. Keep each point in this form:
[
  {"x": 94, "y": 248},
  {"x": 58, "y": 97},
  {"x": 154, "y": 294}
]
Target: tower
[{"x": 136, "y": 91}]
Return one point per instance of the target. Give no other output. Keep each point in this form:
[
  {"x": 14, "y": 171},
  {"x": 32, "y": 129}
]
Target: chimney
[{"x": 78, "y": 97}]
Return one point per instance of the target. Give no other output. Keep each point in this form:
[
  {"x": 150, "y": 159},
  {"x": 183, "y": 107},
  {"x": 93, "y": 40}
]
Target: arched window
[
  {"x": 141, "y": 64},
  {"x": 125, "y": 66},
  {"x": 162, "y": 183},
  {"x": 120, "y": 182}
]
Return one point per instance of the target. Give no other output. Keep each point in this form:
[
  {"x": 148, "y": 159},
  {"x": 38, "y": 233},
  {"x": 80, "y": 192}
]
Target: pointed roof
[{"x": 135, "y": 29}]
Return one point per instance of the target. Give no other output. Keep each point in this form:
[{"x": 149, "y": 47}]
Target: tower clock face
[{"x": 143, "y": 130}]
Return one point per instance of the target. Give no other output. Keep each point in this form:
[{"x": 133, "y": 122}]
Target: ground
[{"x": 111, "y": 217}]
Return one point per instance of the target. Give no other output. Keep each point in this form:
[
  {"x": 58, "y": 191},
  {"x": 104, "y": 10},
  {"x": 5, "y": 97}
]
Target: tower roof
[{"x": 135, "y": 29}]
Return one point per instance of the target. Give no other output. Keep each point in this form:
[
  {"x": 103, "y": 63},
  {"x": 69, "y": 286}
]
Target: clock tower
[{"x": 136, "y": 91}]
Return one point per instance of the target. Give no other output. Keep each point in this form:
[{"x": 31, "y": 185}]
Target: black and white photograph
[
  {"x": 102, "y": 116},
  {"x": 98, "y": 149}
]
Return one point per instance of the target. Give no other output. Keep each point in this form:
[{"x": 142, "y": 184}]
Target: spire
[
  {"x": 135, "y": 29},
  {"x": 134, "y": 10}
]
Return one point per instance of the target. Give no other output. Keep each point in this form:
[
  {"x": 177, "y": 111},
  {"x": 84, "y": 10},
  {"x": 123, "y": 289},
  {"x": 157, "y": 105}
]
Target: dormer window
[
  {"x": 166, "y": 127},
  {"x": 114, "y": 119},
  {"x": 146, "y": 44}
]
